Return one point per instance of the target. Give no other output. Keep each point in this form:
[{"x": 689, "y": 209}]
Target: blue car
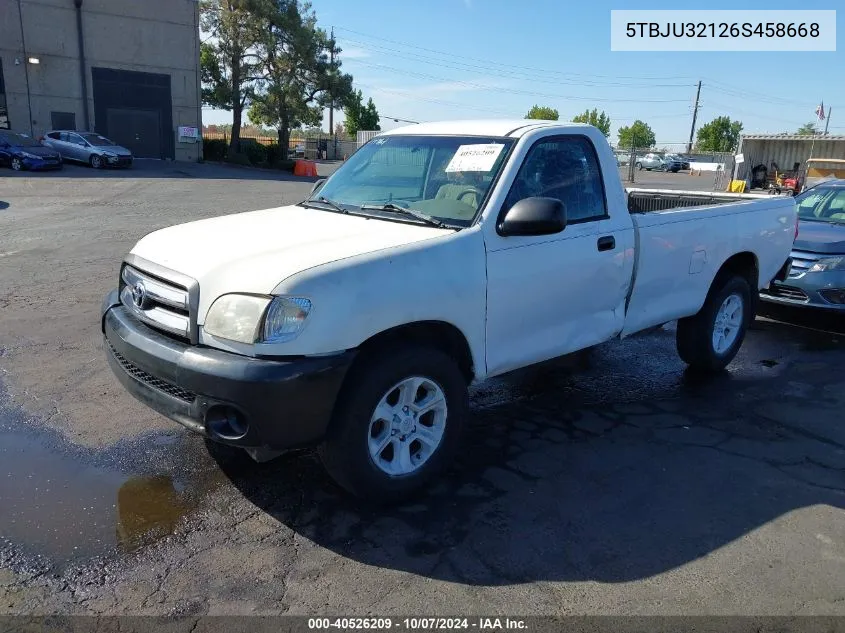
[
  {"x": 817, "y": 276},
  {"x": 23, "y": 152}
]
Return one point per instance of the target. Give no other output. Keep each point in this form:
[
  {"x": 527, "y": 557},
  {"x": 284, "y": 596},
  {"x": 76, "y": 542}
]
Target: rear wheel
[
  {"x": 397, "y": 423},
  {"x": 96, "y": 162},
  {"x": 711, "y": 339}
]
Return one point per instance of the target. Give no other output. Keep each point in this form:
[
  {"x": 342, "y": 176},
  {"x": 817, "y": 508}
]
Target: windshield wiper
[
  {"x": 419, "y": 215},
  {"x": 334, "y": 205}
]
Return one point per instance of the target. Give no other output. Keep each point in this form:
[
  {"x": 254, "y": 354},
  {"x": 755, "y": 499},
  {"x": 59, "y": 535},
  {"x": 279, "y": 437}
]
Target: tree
[
  {"x": 720, "y": 135},
  {"x": 300, "y": 79},
  {"x": 544, "y": 113},
  {"x": 228, "y": 60},
  {"x": 638, "y": 135},
  {"x": 360, "y": 116},
  {"x": 340, "y": 129},
  {"x": 596, "y": 118},
  {"x": 807, "y": 128}
]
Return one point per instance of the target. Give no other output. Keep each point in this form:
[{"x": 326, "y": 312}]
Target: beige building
[{"x": 128, "y": 69}]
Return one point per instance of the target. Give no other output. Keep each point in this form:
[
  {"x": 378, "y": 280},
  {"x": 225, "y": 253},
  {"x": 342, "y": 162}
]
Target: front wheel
[
  {"x": 711, "y": 339},
  {"x": 96, "y": 162},
  {"x": 640, "y": 166},
  {"x": 397, "y": 423},
  {"x": 16, "y": 164}
]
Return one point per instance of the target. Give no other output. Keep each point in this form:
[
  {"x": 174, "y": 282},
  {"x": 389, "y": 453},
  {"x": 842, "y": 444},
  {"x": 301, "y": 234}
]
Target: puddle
[
  {"x": 64, "y": 503},
  {"x": 58, "y": 506}
]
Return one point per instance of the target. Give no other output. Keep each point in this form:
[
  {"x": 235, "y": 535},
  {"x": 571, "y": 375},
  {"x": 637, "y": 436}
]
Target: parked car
[
  {"x": 675, "y": 163},
  {"x": 651, "y": 162},
  {"x": 817, "y": 276},
  {"x": 89, "y": 148},
  {"x": 357, "y": 319},
  {"x": 20, "y": 152}
]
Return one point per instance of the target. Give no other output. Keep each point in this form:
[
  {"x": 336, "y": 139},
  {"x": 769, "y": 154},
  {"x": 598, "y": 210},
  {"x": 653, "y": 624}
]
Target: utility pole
[
  {"x": 331, "y": 96},
  {"x": 694, "y": 117}
]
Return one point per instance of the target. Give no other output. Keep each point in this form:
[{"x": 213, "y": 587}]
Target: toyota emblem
[{"x": 139, "y": 294}]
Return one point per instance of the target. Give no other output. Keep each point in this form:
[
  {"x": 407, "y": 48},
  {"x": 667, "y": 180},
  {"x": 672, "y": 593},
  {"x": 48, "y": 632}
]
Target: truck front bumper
[{"x": 242, "y": 401}]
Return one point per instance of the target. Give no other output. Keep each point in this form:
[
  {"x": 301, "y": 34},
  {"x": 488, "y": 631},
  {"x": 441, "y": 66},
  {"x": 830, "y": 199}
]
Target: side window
[
  {"x": 76, "y": 139},
  {"x": 54, "y": 135},
  {"x": 64, "y": 136},
  {"x": 565, "y": 168}
]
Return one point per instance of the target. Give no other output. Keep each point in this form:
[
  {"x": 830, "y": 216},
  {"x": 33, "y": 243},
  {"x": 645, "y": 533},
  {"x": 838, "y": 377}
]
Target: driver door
[{"x": 551, "y": 295}]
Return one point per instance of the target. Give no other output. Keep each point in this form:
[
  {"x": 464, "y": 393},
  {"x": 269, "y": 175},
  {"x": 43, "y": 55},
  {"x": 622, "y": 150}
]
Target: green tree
[
  {"x": 720, "y": 135},
  {"x": 807, "y": 128},
  {"x": 360, "y": 116},
  {"x": 638, "y": 134},
  {"x": 300, "y": 79},
  {"x": 228, "y": 59},
  {"x": 595, "y": 118},
  {"x": 544, "y": 113}
]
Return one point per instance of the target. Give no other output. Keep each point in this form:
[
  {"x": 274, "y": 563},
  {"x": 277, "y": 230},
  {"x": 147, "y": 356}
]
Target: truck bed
[{"x": 646, "y": 200}]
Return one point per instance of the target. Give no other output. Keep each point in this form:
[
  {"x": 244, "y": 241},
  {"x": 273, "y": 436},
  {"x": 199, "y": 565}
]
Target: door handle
[{"x": 606, "y": 243}]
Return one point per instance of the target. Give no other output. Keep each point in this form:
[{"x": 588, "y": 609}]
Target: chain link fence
[
  {"x": 311, "y": 146},
  {"x": 673, "y": 158}
]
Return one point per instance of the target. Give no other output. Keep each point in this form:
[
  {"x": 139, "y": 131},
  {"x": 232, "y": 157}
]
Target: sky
[{"x": 457, "y": 59}]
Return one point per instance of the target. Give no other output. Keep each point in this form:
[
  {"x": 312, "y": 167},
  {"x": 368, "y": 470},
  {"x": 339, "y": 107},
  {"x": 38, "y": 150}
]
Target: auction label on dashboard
[
  {"x": 723, "y": 30},
  {"x": 418, "y": 624}
]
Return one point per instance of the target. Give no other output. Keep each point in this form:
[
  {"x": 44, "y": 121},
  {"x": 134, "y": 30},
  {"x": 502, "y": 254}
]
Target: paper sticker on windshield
[{"x": 475, "y": 157}]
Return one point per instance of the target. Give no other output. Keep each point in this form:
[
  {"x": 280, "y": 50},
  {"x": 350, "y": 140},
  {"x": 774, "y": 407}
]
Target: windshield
[
  {"x": 445, "y": 177},
  {"x": 822, "y": 204},
  {"x": 19, "y": 140},
  {"x": 96, "y": 139}
]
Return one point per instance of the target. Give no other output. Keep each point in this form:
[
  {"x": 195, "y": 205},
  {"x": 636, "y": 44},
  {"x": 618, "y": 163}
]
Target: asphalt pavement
[{"x": 613, "y": 482}]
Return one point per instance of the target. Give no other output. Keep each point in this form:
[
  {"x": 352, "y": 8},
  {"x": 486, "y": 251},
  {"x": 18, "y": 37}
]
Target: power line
[
  {"x": 515, "y": 91},
  {"x": 715, "y": 84},
  {"x": 519, "y": 75},
  {"x": 517, "y": 67}
]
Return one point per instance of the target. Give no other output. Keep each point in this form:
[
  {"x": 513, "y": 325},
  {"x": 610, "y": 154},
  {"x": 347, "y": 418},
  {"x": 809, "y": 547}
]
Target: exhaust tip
[{"x": 226, "y": 423}]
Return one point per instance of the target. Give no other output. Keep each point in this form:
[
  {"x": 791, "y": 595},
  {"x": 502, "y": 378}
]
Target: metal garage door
[{"x": 137, "y": 130}]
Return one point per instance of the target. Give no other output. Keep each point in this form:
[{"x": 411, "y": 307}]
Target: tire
[
  {"x": 96, "y": 162},
  {"x": 696, "y": 336},
  {"x": 346, "y": 452},
  {"x": 16, "y": 164},
  {"x": 640, "y": 166}
]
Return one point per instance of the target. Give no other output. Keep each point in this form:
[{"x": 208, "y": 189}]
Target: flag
[{"x": 820, "y": 111}]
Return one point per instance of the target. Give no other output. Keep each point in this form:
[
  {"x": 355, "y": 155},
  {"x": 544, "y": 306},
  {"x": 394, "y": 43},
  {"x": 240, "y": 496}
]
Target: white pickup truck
[{"x": 437, "y": 256}]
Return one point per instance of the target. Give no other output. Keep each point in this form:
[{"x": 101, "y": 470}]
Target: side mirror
[
  {"x": 317, "y": 185},
  {"x": 534, "y": 216}
]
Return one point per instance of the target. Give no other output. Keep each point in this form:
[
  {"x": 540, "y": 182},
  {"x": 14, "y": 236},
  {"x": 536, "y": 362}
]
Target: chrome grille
[
  {"x": 151, "y": 381},
  {"x": 786, "y": 292},
  {"x": 156, "y": 302},
  {"x": 802, "y": 261}
]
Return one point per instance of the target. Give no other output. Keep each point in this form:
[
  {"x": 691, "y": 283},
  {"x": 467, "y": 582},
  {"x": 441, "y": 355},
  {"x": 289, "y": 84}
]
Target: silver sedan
[{"x": 87, "y": 147}]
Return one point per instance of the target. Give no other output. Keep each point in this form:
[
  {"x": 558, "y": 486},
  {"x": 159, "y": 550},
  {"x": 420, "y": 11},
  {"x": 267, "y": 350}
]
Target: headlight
[
  {"x": 828, "y": 263},
  {"x": 285, "y": 318},
  {"x": 236, "y": 317},
  {"x": 110, "y": 154}
]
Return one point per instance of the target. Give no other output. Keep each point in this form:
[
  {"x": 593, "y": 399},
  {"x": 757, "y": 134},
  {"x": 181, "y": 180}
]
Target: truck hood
[
  {"x": 253, "y": 252},
  {"x": 827, "y": 238}
]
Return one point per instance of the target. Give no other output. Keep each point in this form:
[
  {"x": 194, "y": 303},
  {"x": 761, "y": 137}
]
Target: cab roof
[{"x": 478, "y": 127}]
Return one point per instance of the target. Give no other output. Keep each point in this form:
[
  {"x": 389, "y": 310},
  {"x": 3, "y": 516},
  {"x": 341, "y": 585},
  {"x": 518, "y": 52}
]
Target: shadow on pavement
[
  {"x": 615, "y": 473},
  {"x": 168, "y": 169}
]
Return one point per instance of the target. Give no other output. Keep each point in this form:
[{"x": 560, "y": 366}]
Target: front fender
[{"x": 357, "y": 298}]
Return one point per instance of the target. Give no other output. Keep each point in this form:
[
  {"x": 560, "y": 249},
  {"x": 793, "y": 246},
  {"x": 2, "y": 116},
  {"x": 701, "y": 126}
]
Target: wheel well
[
  {"x": 437, "y": 334},
  {"x": 744, "y": 264}
]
